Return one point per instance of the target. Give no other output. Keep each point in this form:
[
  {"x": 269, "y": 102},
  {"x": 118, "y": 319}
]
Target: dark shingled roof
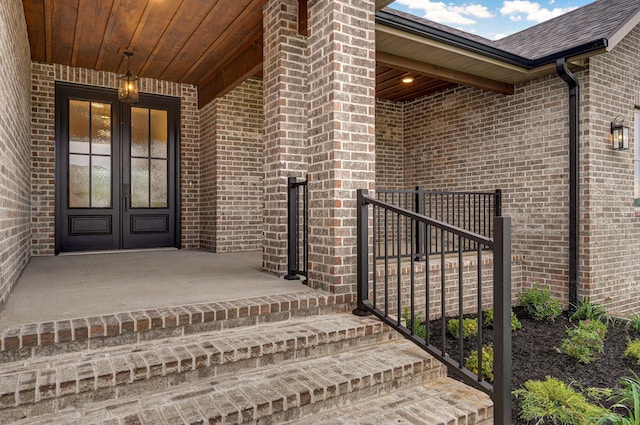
[{"x": 595, "y": 21}]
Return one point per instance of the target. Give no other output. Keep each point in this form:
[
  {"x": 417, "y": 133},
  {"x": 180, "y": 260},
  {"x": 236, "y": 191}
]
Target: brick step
[
  {"x": 268, "y": 395},
  {"x": 49, "y": 384},
  {"x": 25, "y": 341},
  {"x": 440, "y": 401}
]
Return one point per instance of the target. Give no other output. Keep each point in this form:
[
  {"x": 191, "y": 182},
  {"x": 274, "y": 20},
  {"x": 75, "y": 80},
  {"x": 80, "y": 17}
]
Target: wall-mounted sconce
[
  {"x": 619, "y": 135},
  {"x": 128, "y": 84}
]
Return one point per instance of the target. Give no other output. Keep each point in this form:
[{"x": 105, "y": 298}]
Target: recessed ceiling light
[{"x": 407, "y": 80}]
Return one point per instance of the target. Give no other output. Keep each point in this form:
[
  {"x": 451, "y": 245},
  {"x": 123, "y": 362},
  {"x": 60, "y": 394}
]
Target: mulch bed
[{"x": 536, "y": 355}]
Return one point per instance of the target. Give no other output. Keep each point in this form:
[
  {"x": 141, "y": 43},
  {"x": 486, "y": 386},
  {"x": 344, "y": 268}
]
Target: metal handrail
[
  {"x": 500, "y": 244},
  {"x": 472, "y": 211},
  {"x": 297, "y": 229}
]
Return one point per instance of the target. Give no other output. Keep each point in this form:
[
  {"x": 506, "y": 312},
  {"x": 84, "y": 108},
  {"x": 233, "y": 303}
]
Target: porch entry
[{"x": 116, "y": 168}]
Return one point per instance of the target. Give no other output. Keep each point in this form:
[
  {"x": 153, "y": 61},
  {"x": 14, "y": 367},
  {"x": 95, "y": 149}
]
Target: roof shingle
[{"x": 595, "y": 21}]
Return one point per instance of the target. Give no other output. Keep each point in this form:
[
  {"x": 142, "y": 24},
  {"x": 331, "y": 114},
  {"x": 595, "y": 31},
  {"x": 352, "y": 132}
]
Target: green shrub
[
  {"x": 469, "y": 327},
  {"x": 586, "y": 310},
  {"x": 628, "y": 401},
  {"x": 515, "y": 323},
  {"x": 634, "y": 323},
  {"x": 487, "y": 362},
  {"x": 585, "y": 340},
  {"x": 633, "y": 350},
  {"x": 553, "y": 402},
  {"x": 419, "y": 328},
  {"x": 539, "y": 304}
]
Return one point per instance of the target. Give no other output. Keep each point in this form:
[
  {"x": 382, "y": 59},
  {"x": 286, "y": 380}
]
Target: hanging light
[
  {"x": 128, "y": 84},
  {"x": 619, "y": 134}
]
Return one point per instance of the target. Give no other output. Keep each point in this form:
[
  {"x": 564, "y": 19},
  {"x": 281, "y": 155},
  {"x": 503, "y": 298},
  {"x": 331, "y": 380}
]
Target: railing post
[
  {"x": 292, "y": 229},
  {"x": 362, "y": 284},
  {"x": 419, "y": 209},
  {"x": 498, "y": 203},
  {"x": 502, "y": 320},
  {"x": 305, "y": 230}
]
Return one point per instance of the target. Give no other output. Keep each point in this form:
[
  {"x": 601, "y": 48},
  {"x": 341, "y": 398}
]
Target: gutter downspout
[{"x": 574, "y": 165}]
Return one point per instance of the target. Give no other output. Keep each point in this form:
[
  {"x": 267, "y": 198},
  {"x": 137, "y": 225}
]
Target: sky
[{"x": 492, "y": 19}]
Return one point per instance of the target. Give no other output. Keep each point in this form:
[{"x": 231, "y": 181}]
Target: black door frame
[{"x": 64, "y": 92}]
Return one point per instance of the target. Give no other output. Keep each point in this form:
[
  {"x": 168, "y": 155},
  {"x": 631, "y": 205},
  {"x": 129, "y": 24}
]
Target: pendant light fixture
[{"x": 128, "y": 84}]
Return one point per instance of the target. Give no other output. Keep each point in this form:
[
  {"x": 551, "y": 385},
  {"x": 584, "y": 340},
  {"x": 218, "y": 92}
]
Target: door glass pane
[
  {"x": 101, "y": 128},
  {"x": 79, "y": 181},
  {"x": 158, "y": 183},
  {"x": 158, "y": 133},
  {"x": 139, "y": 183},
  {"x": 140, "y": 132},
  {"x": 78, "y": 126},
  {"x": 101, "y": 181}
]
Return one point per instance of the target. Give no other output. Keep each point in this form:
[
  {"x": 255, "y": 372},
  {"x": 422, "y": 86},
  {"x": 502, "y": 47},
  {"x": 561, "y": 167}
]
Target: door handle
[{"x": 126, "y": 191}]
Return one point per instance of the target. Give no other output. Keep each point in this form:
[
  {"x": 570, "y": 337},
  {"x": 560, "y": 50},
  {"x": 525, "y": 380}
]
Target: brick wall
[
  {"x": 472, "y": 140},
  {"x": 341, "y": 134},
  {"x": 387, "y": 281},
  {"x": 468, "y": 139},
  {"x": 611, "y": 223},
  {"x": 231, "y": 164},
  {"x": 15, "y": 139},
  {"x": 43, "y": 81},
  {"x": 285, "y": 122},
  {"x": 389, "y": 145},
  {"x": 208, "y": 176}
]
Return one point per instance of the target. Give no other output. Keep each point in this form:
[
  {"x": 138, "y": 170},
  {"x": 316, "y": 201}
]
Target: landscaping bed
[{"x": 537, "y": 354}]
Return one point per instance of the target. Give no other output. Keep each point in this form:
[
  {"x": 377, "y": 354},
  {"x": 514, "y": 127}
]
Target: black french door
[{"x": 116, "y": 168}]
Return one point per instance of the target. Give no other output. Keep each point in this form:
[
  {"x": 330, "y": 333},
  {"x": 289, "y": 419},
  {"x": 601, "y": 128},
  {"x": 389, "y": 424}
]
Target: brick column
[
  {"x": 285, "y": 120},
  {"x": 341, "y": 134}
]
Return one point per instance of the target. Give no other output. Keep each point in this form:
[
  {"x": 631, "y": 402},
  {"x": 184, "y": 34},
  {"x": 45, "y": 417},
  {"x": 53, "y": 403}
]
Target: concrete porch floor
[{"x": 70, "y": 286}]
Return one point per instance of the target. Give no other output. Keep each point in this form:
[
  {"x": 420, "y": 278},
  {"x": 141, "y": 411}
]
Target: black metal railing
[
  {"x": 472, "y": 211},
  {"x": 297, "y": 229},
  {"x": 393, "y": 287}
]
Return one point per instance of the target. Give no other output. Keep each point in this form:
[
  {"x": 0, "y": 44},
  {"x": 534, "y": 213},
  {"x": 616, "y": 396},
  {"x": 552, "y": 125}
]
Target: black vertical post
[
  {"x": 497, "y": 211},
  {"x": 574, "y": 178},
  {"x": 305, "y": 229},
  {"x": 502, "y": 320},
  {"x": 292, "y": 229},
  {"x": 362, "y": 284},
  {"x": 419, "y": 209}
]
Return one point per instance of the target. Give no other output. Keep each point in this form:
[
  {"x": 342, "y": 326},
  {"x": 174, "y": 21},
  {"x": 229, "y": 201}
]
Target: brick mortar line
[
  {"x": 410, "y": 368},
  {"x": 90, "y": 328},
  {"x": 50, "y": 381}
]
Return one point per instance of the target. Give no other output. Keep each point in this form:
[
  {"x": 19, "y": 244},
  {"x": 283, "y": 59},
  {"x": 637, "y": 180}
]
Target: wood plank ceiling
[{"x": 212, "y": 44}]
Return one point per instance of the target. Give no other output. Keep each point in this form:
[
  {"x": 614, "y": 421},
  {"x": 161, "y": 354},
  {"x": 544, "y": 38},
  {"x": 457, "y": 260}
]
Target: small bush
[
  {"x": 515, "y": 323},
  {"x": 469, "y": 327},
  {"x": 553, "y": 402},
  {"x": 586, "y": 310},
  {"x": 539, "y": 304},
  {"x": 584, "y": 341},
  {"x": 419, "y": 328},
  {"x": 487, "y": 362},
  {"x": 633, "y": 350},
  {"x": 634, "y": 323},
  {"x": 628, "y": 401}
]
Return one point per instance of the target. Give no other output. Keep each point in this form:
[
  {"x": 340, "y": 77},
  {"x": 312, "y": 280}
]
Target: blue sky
[{"x": 492, "y": 19}]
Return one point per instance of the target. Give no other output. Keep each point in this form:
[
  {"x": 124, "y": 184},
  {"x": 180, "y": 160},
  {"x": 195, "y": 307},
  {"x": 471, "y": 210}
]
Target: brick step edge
[
  {"x": 51, "y": 338},
  {"x": 76, "y": 380},
  {"x": 441, "y": 401},
  {"x": 270, "y": 395}
]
